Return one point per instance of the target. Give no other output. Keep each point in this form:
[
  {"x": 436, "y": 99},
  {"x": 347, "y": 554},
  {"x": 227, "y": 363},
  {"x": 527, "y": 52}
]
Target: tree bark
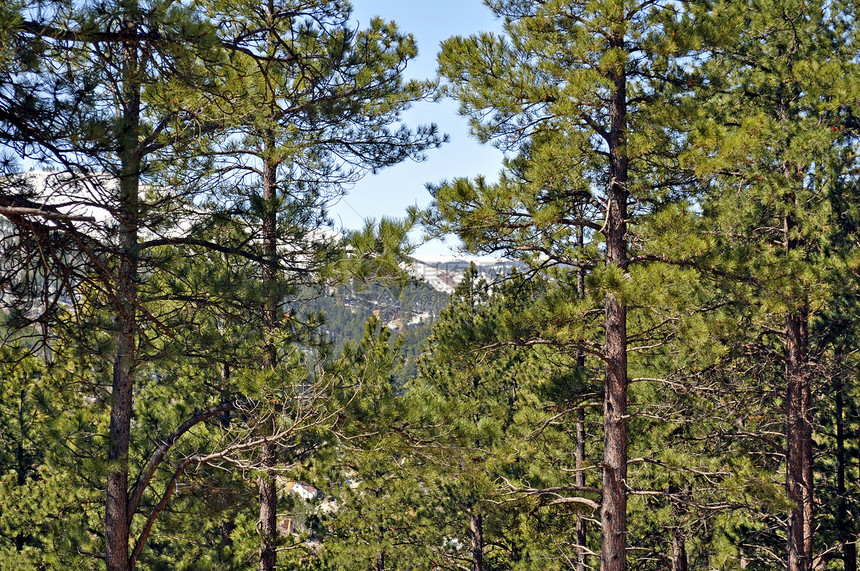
[
  {"x": 798, "y": 428},
  {"x": 268, "y": 510},
  {"x": 268, "y": 524},
  {"x": 843, "y": 522},
  {"x": 613, "y": 513},
  {"x": 23, "y": 464},
  {"x": 117, "y": 516},
  {"x": 580, "y": 483},
  {"x": 679, "y": 550},
  {"x": 798, "y": 442},
  {"x": 849, "y": 554},
  {"x": 228, "y": 525},
  {"x": 579, "y": 451},
  {"x": 476, "y": 525}
]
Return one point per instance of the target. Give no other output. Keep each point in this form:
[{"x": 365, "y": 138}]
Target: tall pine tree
[
  {"x": 775, "y": 146},
  {"x": 576, "y": 91},
  {"x": 317, "y": 105}
]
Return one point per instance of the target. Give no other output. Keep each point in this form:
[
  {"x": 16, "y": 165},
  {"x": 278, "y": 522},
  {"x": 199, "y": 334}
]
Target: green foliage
[
  {"x": 463, "y": 440},
  {"x": 432, "y": 447},
  {"x": 771, "y": 145}
]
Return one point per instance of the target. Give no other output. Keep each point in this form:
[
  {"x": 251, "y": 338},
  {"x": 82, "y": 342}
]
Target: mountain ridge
[{"x": 444, "y": 273}]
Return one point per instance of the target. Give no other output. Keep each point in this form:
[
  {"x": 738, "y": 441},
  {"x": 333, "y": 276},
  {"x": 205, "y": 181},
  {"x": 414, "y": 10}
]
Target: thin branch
[
  {"x": 21, "y": 211},
  {"x": 158, "y": 455}
]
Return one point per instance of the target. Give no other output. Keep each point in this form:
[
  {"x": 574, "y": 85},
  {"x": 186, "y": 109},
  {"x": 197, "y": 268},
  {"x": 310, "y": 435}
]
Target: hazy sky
[{"x": 391, "y": 191}]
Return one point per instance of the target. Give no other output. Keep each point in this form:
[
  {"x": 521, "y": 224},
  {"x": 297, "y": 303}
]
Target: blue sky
[{"x": 391, "y": 191}]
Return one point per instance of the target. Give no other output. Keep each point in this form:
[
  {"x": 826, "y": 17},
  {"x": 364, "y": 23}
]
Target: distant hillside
[
  {"x": 410, "y": 310},
  {"x": 443, "y": 273}
]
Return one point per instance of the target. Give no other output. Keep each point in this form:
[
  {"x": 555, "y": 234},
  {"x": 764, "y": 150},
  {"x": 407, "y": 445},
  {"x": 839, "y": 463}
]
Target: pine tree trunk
[
  {"x": 579, "y": 451},
  {"x": 228, "y": 525},
  {"x": 476, "y": 525},
  {"x": 117, "y": 518},
  {"x": 580, "y": 482},
  {"x": 798, "y": 443},
  {"x": 808, "y": 481},
  {"x": 268, "y": 524},
  {"x": 613, "y": 513},
  {"x": 798, "y": 396},
  {"x": 679, "y": 550},
  {"x": 268, "y": 510},
  {"x": 849, "y": 554},
  {"x": 22, "y": 463},
  {"x": 843, "y": 522}
]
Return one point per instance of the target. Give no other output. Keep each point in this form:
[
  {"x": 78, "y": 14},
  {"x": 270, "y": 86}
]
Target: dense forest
[{"x": 198, "y": 372}]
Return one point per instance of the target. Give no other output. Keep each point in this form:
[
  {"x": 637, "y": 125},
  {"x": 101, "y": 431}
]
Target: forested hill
[{"x": 409, "y": 310}]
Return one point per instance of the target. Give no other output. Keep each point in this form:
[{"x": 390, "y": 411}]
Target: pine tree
[
  {"x": 577, "y": 90},
  {"x": 474, "y": 459},
  {"x": 317, "y": 102},
  {"x": 116, "y": 116},
  {"x": 476, "y": 402},
  {"x": 166, "y": 71},
  {"x": 47, "y": 516},
  {"x": 778, "y": 146},
  {"x": 377, "y": 497}
]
